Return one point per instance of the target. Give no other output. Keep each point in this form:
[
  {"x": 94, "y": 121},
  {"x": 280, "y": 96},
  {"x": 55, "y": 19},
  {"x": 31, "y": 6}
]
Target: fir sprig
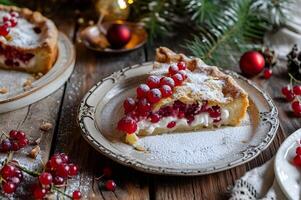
[{"x": 231, "y": 30}]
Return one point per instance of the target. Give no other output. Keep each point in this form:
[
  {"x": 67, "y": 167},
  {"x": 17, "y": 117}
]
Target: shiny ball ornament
[
  {"x": 118, "y": 35},
  {"x": 251, "y": 63}
]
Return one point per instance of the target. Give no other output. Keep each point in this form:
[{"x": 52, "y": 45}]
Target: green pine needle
[{"x": 6, "y": 2}]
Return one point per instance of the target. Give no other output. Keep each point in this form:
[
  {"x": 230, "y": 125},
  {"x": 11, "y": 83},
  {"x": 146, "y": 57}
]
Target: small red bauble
[
  {"x": 118, "y": 35},
  {"x": 251, "y": 63}
]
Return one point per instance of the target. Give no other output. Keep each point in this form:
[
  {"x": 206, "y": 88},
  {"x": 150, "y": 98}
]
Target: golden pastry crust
[
  {"x": 46, "y": 51},
  {"x": 237, "y": 102}
]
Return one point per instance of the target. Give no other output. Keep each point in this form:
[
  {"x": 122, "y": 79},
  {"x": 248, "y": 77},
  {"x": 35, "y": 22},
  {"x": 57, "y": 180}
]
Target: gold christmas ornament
[{"x": 112, "y": 10}]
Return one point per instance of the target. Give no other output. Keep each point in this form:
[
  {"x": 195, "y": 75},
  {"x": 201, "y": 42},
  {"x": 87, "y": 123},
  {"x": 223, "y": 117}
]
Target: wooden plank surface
[{"x": 60, "y": 108}]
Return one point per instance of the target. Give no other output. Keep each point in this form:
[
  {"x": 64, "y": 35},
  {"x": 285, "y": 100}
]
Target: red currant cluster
[
  {"x": 109, "y": 184},
  {"x": 10, "y": 20},
  {"x": 297, "y": 158},
  {"x": 11, "y": 178},
  {"x": 150, "y": 93},
  {"x": 291, "y": 95},
  {"x": 14, "y": 142},
  {"x": 57, "y": 171}
]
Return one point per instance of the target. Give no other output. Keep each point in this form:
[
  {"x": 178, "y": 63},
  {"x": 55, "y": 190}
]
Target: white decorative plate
[
  {"x": 193, "y": 153},
  {"x": 50, "y": 82},
  {"x": 288, "y": 176}
]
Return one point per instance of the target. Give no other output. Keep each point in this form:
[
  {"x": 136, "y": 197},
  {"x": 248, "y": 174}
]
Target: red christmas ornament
[
  {"x": 251, "y": 63},
  {"x": 118, "y": 35}
]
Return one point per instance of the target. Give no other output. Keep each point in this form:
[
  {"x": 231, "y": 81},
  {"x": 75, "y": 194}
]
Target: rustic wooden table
[{"x": 60, "y": 109}]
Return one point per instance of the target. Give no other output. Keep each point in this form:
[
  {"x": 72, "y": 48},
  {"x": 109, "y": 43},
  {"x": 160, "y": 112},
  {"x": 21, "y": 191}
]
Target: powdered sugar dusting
[
  {"x": 196, "y": 148},
  {"x": 23, "y": 34},
  {"x": 198, "y": 84}
]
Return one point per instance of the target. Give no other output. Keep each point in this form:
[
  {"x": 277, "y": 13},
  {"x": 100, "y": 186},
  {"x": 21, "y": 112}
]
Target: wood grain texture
[{"x": 90, "y": 68}]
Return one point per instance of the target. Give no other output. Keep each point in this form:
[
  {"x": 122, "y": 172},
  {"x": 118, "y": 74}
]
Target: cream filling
[
  {"x": 200, "y": 119},
  {"x": 29, "y": 64}
]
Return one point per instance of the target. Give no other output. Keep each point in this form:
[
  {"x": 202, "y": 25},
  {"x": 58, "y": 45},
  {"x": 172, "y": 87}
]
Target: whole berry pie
[
  {"x": 182, "y": 94},
  {"x": 28, "y": 40}
]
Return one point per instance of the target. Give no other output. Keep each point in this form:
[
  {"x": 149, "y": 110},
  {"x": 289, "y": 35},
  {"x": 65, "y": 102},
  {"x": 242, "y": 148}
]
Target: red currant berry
[
  {"x": 45, "y": 178},
  {"x": 143, "y": 106},
  {"x": 13, "y": 22},
  {"x": 18, "y": 174},
  {"x": 173, "y": 69},
  {"x": 267, "y": 73},
  {"x": 6, "y": 145},
  {"x": 166, "y": 91},
  {"x": 107, "y": 172},
  {"x": 153, "y": 81},
  {"x": 297, "y": 89},
  {"x": 167, "y": 81},
  {"x": 20, "y": 135},
  {"x": 55, "y": 161},
  {"x": 14, "y": 14},
  {"x": 296, "y": 106},
  {"x": 39, "y": 193},
  {"x": 76, "y": 195},
  {"x": 182, "y": 65},
  {"x": 127, "y": 124},
  {"x": 142, "y": 90},
  {"x": 4, "y": 30},
  {"x": 285, "y": 90},
  {"x": 297, "y": 160},
  {"x": 13, "y": 134},
  {"x": 129, "y": 105},
  {"x": 15, "y": 146},
  {"x": 183, "y": 73},
  {"x": 110, "y": 185},
  {"x": 57, "y": 180},
  {"x": 8, "y": 187},
  {"x": 23, "y": 142},
  {"x": 171, "y": 124},
  {"x": 154, "y": 118},
  {"x": 181, "y": 114},
  {"x": 298, "y": 150},
  {"x": 214, "y": 111},
  {"x": 64, "y": 157},
  {"x": 290, "y": 96},
  {"x": 73, "y": 169},
  {"x": 7, "y": 171},
  {"x": 8, "y": 24},
  {"x": 178, "y": 79},
  {"x": 6, "y": 18},
  {"x": 63, "y": 170},
  {"x": 14, "y": 180},
  {"x": 154, "y": 95}
]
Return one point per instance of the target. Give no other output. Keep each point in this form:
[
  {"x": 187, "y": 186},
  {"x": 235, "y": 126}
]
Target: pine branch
[
  {"x": 6, "y": 2},
  {"x": 233, "y": 28}
]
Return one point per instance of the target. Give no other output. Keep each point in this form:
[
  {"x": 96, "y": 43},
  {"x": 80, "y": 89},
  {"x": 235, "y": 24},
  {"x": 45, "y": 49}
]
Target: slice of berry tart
[
  {"x": 28, "y": 40},
  {"x": 182, "y": 94}
]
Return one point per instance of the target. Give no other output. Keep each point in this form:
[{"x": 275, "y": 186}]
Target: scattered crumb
[
  {"x": 46, "y": 126},
  {"x": 3, "y": 90},
  {"x": 28, "y": 83},
  {"x": 38, "y": 75},
  {"x": 37, "y": 141},
  {"x": 34, "y": 152},
  {"x": 244, "y": 142},
  {"x": 91, "y": 22}
]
